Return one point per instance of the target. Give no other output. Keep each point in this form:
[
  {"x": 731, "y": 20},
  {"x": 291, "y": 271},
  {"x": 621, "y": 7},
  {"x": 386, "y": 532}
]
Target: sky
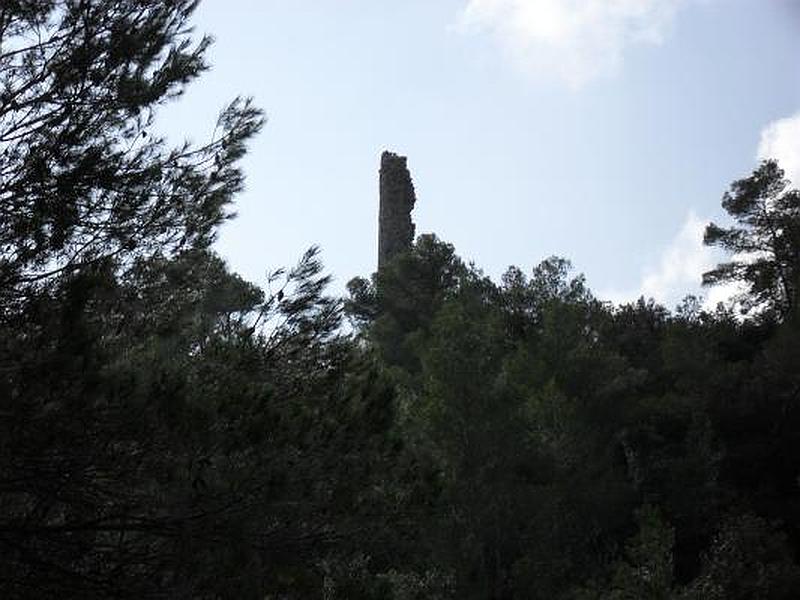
[{"x": 603, "y": 131}]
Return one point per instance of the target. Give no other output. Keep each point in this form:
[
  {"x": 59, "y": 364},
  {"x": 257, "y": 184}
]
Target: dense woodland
[{"x": 169, "y": 430}]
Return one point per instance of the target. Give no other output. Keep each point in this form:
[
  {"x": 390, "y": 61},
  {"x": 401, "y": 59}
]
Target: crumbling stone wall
[{"x": 397, "y": 198}]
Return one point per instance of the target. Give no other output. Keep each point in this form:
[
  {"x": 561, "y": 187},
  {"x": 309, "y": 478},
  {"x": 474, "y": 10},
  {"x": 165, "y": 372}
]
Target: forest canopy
[{"x": 171, "y": 430}]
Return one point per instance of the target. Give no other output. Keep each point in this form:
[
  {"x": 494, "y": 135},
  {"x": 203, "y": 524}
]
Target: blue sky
[{"x": 604, "y": 131}]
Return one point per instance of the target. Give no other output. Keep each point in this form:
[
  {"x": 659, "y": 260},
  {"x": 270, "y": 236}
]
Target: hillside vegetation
[{"x": 170, "y": 430}]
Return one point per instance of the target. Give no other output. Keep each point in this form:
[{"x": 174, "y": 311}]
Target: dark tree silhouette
[
  {"x": 765, "y": 242},
  {"x": 81, "y": 175}
]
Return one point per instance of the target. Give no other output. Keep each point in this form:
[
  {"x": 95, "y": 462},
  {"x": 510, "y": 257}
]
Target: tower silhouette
[{"x": 397, "y": 198}]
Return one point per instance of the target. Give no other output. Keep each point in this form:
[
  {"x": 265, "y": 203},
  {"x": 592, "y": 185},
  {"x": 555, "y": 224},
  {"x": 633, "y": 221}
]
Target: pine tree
[
  {"x": 765, "y": 243},
  {"x": 82, "y": 176}
]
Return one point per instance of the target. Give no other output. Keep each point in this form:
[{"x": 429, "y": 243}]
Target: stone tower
[{"x": 397, "y": 198}]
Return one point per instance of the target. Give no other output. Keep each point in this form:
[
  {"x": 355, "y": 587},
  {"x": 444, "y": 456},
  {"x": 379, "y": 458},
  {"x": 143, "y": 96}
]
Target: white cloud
[
  {"x": 679, "y": 271},
  {"x": 781, "y": 140},
  {"x": 574, "y": 40},
  {"x": 682, "y": 264}
]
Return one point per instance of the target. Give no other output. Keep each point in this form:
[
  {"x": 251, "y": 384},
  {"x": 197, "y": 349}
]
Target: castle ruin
[{"x": 397, "y": 198}]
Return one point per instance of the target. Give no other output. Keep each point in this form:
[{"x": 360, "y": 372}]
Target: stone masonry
[{"x": 397, "y": 198}]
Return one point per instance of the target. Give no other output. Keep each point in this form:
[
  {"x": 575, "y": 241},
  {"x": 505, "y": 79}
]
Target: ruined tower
[{"x": 397, "y": 198}]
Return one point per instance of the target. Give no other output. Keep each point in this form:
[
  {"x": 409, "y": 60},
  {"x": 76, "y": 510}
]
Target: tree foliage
[
  {"x": 82, "y": 175},
  {"x": 168, "y": 429},
  {"x": 590, "y": 451},
  {"x": 764, "y": 242}
]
